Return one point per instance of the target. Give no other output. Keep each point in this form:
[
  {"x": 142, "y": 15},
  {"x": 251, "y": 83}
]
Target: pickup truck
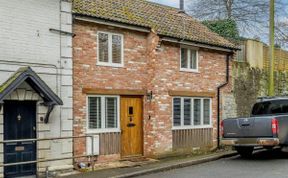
[{"x": 266, "y": 127}]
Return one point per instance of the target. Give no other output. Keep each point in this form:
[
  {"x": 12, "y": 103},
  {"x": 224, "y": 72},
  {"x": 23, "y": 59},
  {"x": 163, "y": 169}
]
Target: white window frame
[
  {"x": 192, "y": 126},
  {"x": 189, "y": 48},
  {"x": 102, "y": 129},
  {"x": 110, "y": 58}
]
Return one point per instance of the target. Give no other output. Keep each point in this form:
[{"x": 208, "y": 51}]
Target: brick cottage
[{"x": 145, "y": 79}]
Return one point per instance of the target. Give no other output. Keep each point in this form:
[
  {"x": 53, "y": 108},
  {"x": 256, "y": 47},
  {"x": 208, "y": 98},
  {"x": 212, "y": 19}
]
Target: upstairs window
[
  {"x": 110, "y": 49},
  {"x": 189, "y": 59}
]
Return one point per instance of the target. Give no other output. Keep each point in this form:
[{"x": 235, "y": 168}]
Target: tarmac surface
[{"x": 264, "y": 164}]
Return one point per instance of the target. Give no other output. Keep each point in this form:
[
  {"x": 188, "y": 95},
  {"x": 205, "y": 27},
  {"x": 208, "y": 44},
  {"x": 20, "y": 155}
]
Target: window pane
[
  {"x": 206, "y": 112},
  {"x": 176, "y": 111},
  {"x": 187, "y": 111},
  {"x": 193, "y": 56},
  {"x": 270, "y": 107},
  {"x": 111, "y": 112},
  {"x": 116, "y": 48},
  {"x": 197, "y": 112},
  {"x": 184, "y": 60},
  {"x": 103, "y": 47},
  {"x": 94, "y": 104}
]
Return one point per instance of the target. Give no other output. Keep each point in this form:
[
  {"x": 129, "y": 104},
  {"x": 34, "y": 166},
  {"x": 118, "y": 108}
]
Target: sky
[{"x": 173, "y": 3}]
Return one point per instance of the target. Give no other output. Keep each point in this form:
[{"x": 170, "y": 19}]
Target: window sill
[
  {"x": 189, "y": 70},
  {"x": 110, "y": 65},
  {"x": 98, "y": 131},
  {"x": 192, "y": 127}
]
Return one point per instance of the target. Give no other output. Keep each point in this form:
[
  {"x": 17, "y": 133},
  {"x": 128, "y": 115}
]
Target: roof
[
  {"x": 164, "y": 20},
  {"x": 28, "y": 75},
  {"x": 271, "y": 98}
]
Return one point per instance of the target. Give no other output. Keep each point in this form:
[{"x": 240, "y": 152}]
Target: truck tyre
[{"x": 245, "y": 152}]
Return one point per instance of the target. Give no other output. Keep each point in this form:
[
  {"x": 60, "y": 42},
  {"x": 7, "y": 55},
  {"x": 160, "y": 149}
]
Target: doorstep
[{"x": 153, "y": 166}]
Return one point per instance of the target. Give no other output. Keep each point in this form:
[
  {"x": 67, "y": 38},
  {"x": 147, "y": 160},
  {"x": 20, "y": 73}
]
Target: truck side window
[
  {"x": 285, "y": 108},
  {"x": 270, "y": 107},
  {"x": 260, "y": 108}
]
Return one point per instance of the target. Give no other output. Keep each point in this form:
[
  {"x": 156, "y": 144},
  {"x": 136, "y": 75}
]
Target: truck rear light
[
  {"x": 275, "y": 126},
  {"x": 222, "y": 128}
]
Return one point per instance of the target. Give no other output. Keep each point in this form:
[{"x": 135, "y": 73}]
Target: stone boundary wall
[{"x": 247, "y": 85}]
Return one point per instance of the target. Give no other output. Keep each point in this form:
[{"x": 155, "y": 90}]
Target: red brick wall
[{"x": 145, "y": 67}]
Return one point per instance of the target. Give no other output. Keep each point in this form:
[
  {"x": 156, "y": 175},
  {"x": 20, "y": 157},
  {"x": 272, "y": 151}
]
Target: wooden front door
[
  {"x": 19, "y": 123},
  {"x": 131, "y": 126}
]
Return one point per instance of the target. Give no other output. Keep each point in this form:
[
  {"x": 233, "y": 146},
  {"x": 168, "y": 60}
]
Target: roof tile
[{"x": 165, "y": 20}]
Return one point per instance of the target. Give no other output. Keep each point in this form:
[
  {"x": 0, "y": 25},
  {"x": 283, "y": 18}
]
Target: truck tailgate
[{"x": 247, "y": 127}]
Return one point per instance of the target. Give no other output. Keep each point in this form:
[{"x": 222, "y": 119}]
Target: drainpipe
[{"x": 218, "y": 99}]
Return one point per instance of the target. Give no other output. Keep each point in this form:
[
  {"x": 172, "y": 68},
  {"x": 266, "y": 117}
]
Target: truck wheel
[{"x": 245, "y": 152}]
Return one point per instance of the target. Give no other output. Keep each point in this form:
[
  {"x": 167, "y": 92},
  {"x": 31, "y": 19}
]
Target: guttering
[
  {"x": 111, "y": 23},
  {"x": 218, "y": 99},
  {"x": 201, "y": 45}
]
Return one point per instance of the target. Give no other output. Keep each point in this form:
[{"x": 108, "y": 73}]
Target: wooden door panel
[
  {"x": 131, "y": 126},
  {"x": 125, "y": 134}
]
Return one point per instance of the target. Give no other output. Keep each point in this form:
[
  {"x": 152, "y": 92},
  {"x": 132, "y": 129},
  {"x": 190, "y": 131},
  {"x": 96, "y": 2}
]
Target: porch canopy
[{"x": 26, "y": 74}]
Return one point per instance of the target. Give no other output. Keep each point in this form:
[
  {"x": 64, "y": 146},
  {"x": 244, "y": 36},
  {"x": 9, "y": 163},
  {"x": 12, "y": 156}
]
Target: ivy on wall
[
  {"x": 247, "y": 88},
  {"x": 251, "y": 83}
]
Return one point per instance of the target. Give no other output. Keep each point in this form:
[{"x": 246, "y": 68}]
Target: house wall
[
  {"x": 212, "y": 73},
  {"x": 27, "y": 41},
  {"x": 254, "y": 53},
  {"x": 280, "y": 61},
  {"x": 88, "y": 75},
  {"x": 257, "y": 55},
  {"x": 145, "y": 68}
]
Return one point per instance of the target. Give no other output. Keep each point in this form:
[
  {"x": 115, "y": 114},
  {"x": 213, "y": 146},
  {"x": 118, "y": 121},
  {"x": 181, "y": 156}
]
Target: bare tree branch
[{"x": 252, "y": 16}]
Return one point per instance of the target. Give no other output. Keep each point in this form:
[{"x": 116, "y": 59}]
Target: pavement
[
  {"x": 263, "y": 164},
  {"x": 154, "y": 167}
]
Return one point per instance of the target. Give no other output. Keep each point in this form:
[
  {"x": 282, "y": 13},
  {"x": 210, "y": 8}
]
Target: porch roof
[{"x": 26, "y": 74}]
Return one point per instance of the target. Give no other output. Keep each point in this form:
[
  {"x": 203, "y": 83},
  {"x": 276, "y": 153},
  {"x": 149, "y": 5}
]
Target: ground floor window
[
  {"x": 103, "y": 113},
  {"x": 191, "y": 112}
]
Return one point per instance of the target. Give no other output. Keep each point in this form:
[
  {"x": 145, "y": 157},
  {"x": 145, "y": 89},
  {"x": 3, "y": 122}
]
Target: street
[{"x": 264, "y": 164}]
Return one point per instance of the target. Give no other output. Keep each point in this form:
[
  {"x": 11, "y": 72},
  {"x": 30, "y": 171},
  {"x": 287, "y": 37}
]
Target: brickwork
[{"x": 146, "y": 67}]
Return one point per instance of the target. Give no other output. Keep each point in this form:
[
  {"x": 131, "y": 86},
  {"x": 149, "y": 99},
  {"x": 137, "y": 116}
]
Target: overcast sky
[{"x": 173, "y": 3}]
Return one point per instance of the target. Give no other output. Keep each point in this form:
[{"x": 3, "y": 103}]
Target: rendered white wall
[{"x": 25, "y": 40}]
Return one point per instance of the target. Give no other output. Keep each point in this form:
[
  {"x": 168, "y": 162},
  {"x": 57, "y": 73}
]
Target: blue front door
[{"x": 19, "y": 123}]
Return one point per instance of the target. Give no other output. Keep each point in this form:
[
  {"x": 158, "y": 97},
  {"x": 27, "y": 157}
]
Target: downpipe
[{"x": 219, "y": 96}]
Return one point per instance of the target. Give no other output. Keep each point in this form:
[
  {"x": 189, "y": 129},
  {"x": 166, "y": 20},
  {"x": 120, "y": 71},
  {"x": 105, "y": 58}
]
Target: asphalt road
[{"x": 263, "y": 164}]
